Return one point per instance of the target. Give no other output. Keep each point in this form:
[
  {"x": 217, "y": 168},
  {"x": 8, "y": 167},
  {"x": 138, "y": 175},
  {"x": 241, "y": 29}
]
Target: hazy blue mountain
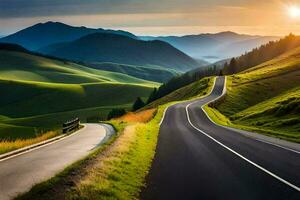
[
  {"x": 103, "y": 47},
  {"x": 214, "y": 47},
  {"x": 44, "y": 34}
]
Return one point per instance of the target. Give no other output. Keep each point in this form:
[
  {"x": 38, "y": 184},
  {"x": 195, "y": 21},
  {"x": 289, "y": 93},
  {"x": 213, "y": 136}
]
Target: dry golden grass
[
  {"x": 139, "y": 117},
  {"x": 6, "y": 146}
]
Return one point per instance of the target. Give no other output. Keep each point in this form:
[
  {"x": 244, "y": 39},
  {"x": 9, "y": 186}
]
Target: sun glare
[{"x": 294, "y": 11}]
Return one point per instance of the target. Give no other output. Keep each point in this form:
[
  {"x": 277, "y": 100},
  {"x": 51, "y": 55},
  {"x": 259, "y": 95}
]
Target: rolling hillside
[
  {"x": 44, "y": 34},
  {"x": 22, "y": 66},
  {"x": 151, "y": 73},
  {"x": 41, "y": 93},
  {"x": 266, "y": 98},
  {"x": 100, "y": 47},
  {"x": 214, "y": 47}
]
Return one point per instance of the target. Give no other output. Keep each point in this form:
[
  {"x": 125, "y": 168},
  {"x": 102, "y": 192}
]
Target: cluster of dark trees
[
  {"x": 116, "y": 112},
  {"x": 139, "y": 103},
  {"x": 182, "y": 80},
  {"x": 261, "y": 54}
]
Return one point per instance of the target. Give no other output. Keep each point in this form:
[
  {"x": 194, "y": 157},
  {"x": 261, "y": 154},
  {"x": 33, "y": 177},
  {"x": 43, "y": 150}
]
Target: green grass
[
  {"x": 42, "y": 93},
  {"x": 194, "y": 90},
  {"x": 266, "y": 98},
  {"x": 123, "y": 173},
  {"x": 26, "y": 67},
  {"x": 151, "y": 73},
  {"x": 120, "y": 171}
]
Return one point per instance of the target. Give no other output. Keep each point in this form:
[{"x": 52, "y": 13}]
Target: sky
[{"x": 157, "y": 17}]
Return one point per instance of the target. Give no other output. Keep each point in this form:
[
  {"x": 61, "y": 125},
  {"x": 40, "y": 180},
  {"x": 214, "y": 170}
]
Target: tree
[
  {"x": 221, "y": 73},
  {"x": 138, "y": 104},
  {"x": 116, "y": 112},
  {"x": 214, "y": 68},
  {"x": 233, "y": 66}
]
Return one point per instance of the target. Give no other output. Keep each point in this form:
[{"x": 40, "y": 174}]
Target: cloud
[
  {"x": 148, "y": 14},
  {"x": 33, "y": 8}
]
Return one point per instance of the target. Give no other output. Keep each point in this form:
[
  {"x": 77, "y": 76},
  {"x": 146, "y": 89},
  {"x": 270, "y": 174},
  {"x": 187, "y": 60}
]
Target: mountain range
[
  {"x": 214, "y": 47},
  {"x": 106, "y": 47},
  {"x": 151, "y": 58},
  {"x": 44, "y": 34}
]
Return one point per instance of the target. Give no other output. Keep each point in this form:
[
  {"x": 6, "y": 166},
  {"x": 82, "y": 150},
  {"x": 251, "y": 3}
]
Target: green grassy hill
[
  {"x": 41, "y": 93},
  {"x": 151, "y": 73},
  {"x": 266, "y": 98},
  {"x": 193, "y": 90},
  {"x": 27, "y": 67}
]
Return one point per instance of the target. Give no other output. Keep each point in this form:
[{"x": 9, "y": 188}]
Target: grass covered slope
[
  {"x": 151, "y": 73},
  {"x": 41, "y": 93},
  {"x": 20, "y": 66},
  {"x": 193, "y": 90},
  {"x": 266, "y": 98}
]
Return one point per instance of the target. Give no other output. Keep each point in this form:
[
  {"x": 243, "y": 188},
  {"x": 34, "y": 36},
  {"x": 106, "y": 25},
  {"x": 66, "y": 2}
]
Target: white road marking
[
  {"x": 234, "y": 152},
  {"x": 263, "y": 141},
  {"x": 163, "y": 117}
]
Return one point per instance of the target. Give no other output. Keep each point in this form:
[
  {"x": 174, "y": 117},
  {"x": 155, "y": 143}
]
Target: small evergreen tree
[
  {"x": 214, "y": 68},
  {"x": 221, "y": 73},
  {"x": 138, "y": 104}
]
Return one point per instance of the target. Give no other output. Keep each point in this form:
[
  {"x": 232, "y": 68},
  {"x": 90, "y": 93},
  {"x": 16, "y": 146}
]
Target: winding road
[
  {"x": 197, "y": 159},
  {"x": 19, "y": 173}
]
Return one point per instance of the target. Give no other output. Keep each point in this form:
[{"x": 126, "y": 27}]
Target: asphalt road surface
[
  {"x": 196, "y": 159},
  {"x": 20, "y": 173}
]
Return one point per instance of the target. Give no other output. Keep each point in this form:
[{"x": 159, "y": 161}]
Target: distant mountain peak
[
  {"x": 50, "y": 23},
  {"x": 50, "y": 32},
  {"x": 227, "y": 33}
]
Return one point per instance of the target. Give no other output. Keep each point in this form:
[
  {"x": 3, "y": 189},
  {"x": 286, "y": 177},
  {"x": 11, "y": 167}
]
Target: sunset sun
[{"x": 294, "y": 11}]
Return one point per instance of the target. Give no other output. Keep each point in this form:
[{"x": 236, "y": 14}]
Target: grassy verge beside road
[
  {"x": 121, "y": 172},
  {"x": 221, "y": 119}
]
